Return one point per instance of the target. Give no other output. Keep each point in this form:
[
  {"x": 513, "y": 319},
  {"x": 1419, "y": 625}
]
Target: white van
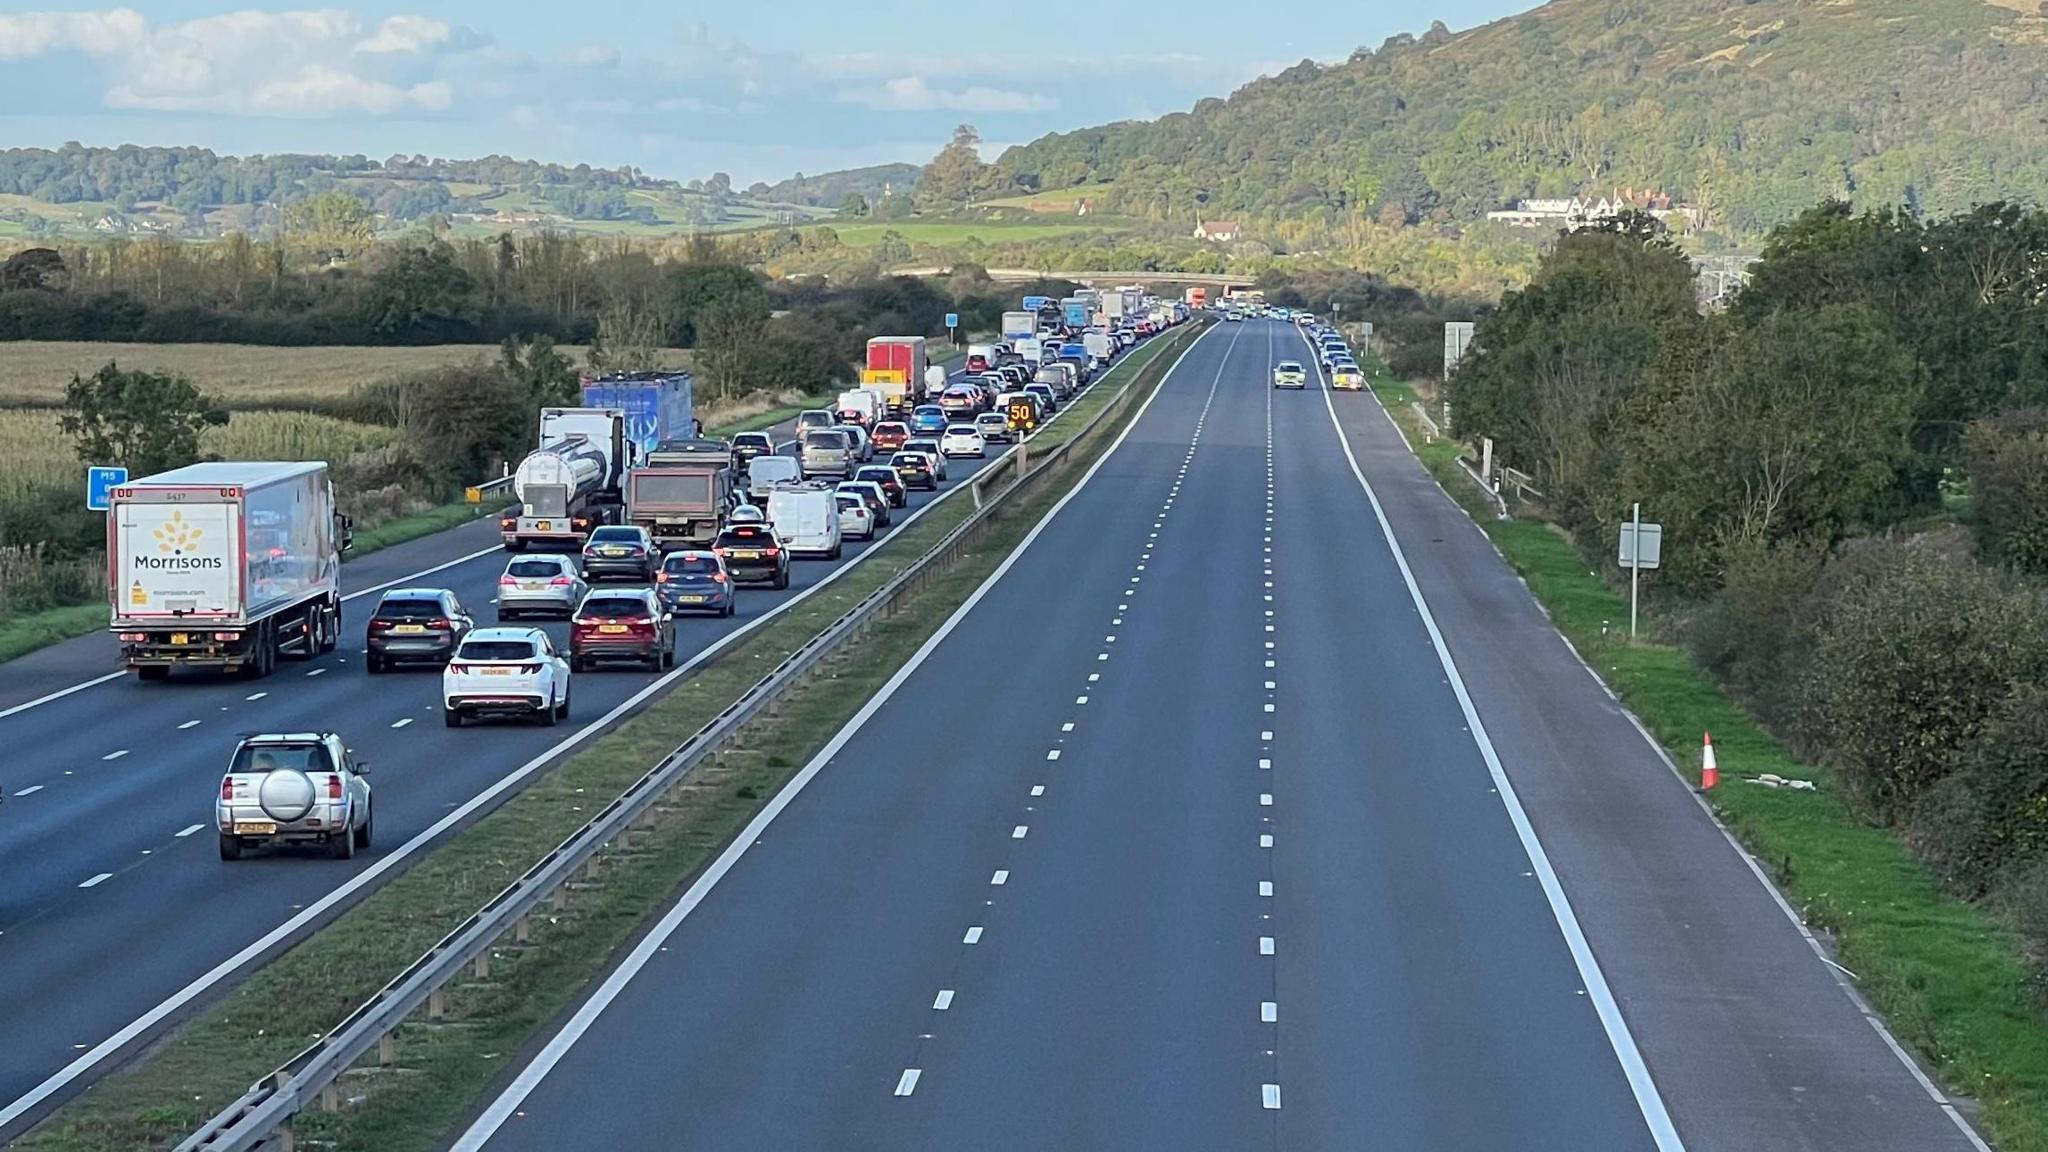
[
  {"x": 806, "y": 517},
  {"x": 765, "y": 473}
]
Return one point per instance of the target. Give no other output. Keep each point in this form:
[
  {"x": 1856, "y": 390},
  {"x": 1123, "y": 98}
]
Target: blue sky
[{"x": 755, "y": 90}]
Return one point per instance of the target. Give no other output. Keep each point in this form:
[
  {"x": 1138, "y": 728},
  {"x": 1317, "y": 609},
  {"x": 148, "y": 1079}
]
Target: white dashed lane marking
[
  {"x": 30, "y": 790},
  {"x": 944, "y": 1000},
  {"x": 96, "y": 880},
  {"x": 907, "y": 1083},
  {"x": 115, "y": 754},
  {"x": 187, "y": 831},
  {"x": 973, "y": 935},
  {"x": 188, "y": 724},
  {"x": 401, "y": 723},
  {"x": 255, "y": 695}
]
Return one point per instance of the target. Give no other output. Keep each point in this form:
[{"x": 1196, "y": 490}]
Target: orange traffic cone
[{"x": 1710, "y": 772}]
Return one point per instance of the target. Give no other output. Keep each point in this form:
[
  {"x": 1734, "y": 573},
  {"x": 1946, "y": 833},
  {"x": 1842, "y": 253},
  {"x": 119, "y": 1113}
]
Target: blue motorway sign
[
  {"x": 100, "y": 484},
  {"x": 952, "y": 319}
]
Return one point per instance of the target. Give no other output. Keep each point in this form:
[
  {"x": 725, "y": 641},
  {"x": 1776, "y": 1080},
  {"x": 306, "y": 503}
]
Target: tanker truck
[{"x": 572, "y": 482}]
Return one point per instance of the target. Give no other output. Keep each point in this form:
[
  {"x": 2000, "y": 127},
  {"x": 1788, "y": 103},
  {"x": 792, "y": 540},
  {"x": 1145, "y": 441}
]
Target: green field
[
  {"x": 1056, "y": 200},
  {"x": 33, "y": 373}
]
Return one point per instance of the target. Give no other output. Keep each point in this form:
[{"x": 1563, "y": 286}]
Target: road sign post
[
  {"x": 1642, "y": 546},
  {"x": 100, "y": 484},
  {"x": 952, "y": 322}
]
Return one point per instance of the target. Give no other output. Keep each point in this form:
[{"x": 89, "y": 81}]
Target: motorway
[
  {"x": 117, "y": 909},
  {"x": 1187, "y": 832}
]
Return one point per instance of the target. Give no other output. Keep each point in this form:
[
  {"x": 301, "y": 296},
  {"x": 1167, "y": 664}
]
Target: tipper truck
[
  {"x": 895, "y": 365},
  {"x": 572, "y": 482},
  {"x": 658, "y": 406},
  {"x": 225, "y": 565},
  {"x": 682, "y": 492}
]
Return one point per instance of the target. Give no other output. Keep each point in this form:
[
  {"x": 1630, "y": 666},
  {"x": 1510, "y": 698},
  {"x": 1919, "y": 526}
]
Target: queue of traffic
[{"x": 629, "y": 520}]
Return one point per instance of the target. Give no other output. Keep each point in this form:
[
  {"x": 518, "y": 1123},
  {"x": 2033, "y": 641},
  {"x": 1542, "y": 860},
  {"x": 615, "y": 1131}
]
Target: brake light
[
  {"x": 440, "y": 623},
  {"x": 227, "y": 787},
  {"x": 380, "y": 625},
  {"x": 770, "y": 551},
  {"x": 227, "y": 637},
  {"x": 560, "y": 582},
  {"x": 134, "y": 637},
  {"x": 507, "y": 581},
  {"x": 529, "y": 669},
  {"x": 718, "y": 577},
  {"x": 333, "y": 787},
  {"x": 661, "y": 577},
  {"x": 458, "y": 669}
]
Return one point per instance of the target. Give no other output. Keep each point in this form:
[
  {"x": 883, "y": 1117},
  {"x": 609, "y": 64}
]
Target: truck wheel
[
  {"x": 230, "y": 847},
  {"x": 330, "y": 631},
  {"x": 342, "y": 845},
  {"x": 152, "y": 673},
  {"x": 515, "y": 545}
]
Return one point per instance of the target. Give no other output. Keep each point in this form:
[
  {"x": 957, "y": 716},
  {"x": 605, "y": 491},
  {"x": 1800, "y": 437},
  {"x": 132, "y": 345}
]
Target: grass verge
[
  {"x": 1950, "y": 981},
  {"x": 443, "y": 1067}
]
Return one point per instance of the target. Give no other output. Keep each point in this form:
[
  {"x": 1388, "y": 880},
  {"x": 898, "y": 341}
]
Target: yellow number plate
[
  {"x": 611, "y": 628},
  {"x": 544, "y": 526},
  {"x": 180, "y": 638},
  {"x": 409, "y": 629},
  {"x": 746, "y": 555},
  {"x": 255, "y": 828}
]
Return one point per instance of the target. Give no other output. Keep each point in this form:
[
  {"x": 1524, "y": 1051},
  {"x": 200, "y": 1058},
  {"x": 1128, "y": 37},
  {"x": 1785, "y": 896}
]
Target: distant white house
[
  {"x": 1216, "y": 231},
  {"x": 1580, "y": 211}
]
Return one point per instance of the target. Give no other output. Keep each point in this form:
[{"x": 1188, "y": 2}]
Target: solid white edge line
[
  {"x": 558, "y": 1046},
  {"x": 61, "y": 1078},
  {"x": 1648, "y": 1100}
]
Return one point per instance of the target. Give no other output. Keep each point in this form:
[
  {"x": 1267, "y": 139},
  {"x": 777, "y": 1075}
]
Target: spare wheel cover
[{"x": 286, "y": 795}]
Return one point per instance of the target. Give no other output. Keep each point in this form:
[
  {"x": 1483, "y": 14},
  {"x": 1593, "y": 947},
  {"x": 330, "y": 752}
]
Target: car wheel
[
  {"x": 731, "y": 608},
  {"x": 230, "y": 847},
  {"x": 452, "y": 718},
  {"x": 342, "y": 845},
  {"x": 504, "y": 615},
  {"x": 373, "y": 664},
  {"x": 562, "y": 710},
  {"x": 369, "y": 824},
  {"x": 782, "y": 579},
  {"x": 576, "y": 664},
  {"x": 837, "y": 551},
  {"x": 548, "y": 715}
]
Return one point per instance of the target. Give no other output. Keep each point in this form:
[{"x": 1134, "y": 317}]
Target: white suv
[
  {"x": 506, "y": 672},
  {"x": 293, "y": 788}
]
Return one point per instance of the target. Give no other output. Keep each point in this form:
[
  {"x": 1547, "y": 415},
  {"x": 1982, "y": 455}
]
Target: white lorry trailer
[
  {"x": 573, "y": 481},
  {"x": 225, "y": 565}
]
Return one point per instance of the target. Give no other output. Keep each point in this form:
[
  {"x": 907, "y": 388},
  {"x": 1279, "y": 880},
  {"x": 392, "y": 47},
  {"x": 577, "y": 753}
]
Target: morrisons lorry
[
  {"x": 895, "y": 365},
  {"x": 572, "y": 482},
  {"x": 682, "y": 492},
  {"x": 225, "y": 565},
  {"x": 658, "y": 406}
]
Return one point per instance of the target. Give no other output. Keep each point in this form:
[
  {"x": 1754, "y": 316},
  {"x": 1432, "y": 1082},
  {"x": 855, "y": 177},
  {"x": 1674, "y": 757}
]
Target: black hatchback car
[
  {"x": 753, "y": 554},
  {"x": 418, "y": 625},
  {"x": 748, "y": 445},
  {"x": 694, "y": 581}
]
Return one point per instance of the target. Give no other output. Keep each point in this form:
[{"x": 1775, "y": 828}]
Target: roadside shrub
[
  {"x": 1989, "y": 816},
  {"x": 1914, "y": 650},
  {"x": 1756, "y": 636},
  {"x": 2007, "y": 459},
  {"x": 2024, "y": 898}
]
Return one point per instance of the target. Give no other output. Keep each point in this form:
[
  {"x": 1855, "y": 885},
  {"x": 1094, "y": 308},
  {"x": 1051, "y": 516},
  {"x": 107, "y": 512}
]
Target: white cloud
[
  {"x": 301, "y": 64},
  {"x": 912, "y": 94},
  {"x": 591, "y": 56},
  {"x": 409, "y": 34}
]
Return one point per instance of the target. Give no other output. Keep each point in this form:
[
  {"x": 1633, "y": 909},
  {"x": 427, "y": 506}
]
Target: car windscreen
[
  {"x": 487, "y": 650},
  {"x": 892, "y": 428},
  {"x": 907, "y": 460},
  {"x": 616, "y": 535},
  {"x": 409, "y": 608},
  {"x": 752, "y": 440},
  {"x": 687, "y": 564},
  {"x": 961, "y": 430},
  {"x": 746, "y": 536},
  {"x": 534, "y": 569},
  {"x": 1289, "y": 366},
  {"x": 680, "y": 488},
  {"x": 281, "y": 757},
  {"x": 615, "y": 608},
  {"x": 831, "y": 440},
  {"x": 849, "y": 500},
  {"x": 879, "y": 475}
]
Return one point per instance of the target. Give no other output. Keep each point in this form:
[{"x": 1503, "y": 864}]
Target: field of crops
[
  {"x": 34, "y": 372},
  {"x": 39, "y": 454}
]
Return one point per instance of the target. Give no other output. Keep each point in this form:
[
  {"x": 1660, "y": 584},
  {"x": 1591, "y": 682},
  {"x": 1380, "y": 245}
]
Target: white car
[
  {"x": 506, "y": 672},
  {"x": 856, "y": 519},
  {"x": 291, "y": 788},
  {"x": 962, "y": 440},
  {"x": 541, "y": 583},
  {"x": 929, "y": 449}
]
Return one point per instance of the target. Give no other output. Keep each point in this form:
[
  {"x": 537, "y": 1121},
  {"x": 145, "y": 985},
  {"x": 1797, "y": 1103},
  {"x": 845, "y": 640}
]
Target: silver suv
[
  {"x": 828, "y": 452},
  {"x": 304, "y": 787}
]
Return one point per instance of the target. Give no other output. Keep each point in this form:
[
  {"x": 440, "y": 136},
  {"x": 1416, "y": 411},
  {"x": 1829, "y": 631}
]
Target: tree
[
  {"x": 704, "y": 285},
  {"x": 628, "y": 339},
  {"x": 853, "y": 204},
  {"x": 2007, "y": 460},
  {"x": 32, "y": 268},
  {"x": 534, "y": 362},
  {"x": 145, "y": 422},
  {"x": 333, "y": 224},
  {"x": 420, "y": 291},
  {"x": 951, "y": 180}
]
